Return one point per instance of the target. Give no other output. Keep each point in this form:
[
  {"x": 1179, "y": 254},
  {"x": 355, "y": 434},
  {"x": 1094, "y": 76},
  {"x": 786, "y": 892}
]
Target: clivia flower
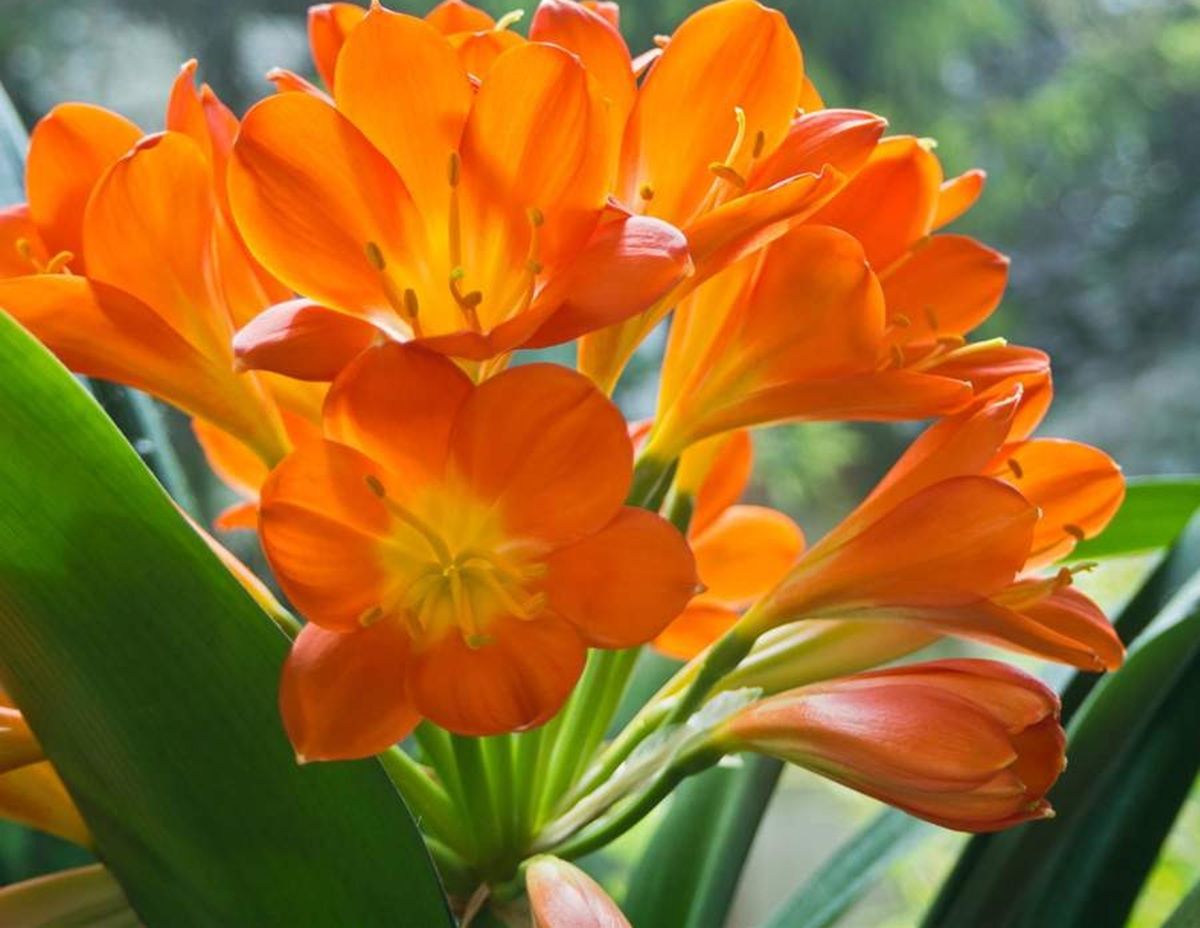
[
  {"x": 946, "y": 539},
  {"x": 456, "y": 549},
  {"x": 972, "y": 745},
  {"x": 469, "y": 217}
]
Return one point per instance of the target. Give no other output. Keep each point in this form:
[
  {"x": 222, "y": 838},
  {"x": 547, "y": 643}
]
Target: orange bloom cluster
[{"x": 334, "y": 285}]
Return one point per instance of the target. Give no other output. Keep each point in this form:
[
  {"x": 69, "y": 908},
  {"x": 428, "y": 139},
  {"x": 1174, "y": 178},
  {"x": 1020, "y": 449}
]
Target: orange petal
[
  {"x": 751, "y": 222},
  {"x": 329, "y": 24},
  {"x": 397, "y": 405},
  {"x": 69, "y": 150},
  {"x": 731, "y": 54},
  {"x": 200, "y": 115},
  {"x": 239, "y": 468},
  {"x": 842, "y": 139},
  {"x": 517, "y": 681},
  {"x": 451, "y": 16},
  {"x": 321, "y": 528},
  {"x": 238, "y": 517},
  {"x": 628, "y": 265},
  {"x": 161, "y": 192},
  {"x": 957, "y": 195},
  {"x": 100, "y": 331},
  {"x": 1072, "y": 614},
  {"x": 478, "y": 51},
  {"x": 418, "y": 120},
  {"x": 1078, "y": 488},
  {"x": 548, "y": 447},
  {"x": 563, "y": 896},
  {"x": 538, "y": 137},
  {"x": 22, "y": 250},
  {"x": 344, "y": 695},
  {"x": 949, "y": 545},
  {"x": 994, "y": 370},
  {"x": 286, "y": 81},
  {"x": 698, "y": 626},
  {"x": 599, "y": 46},
  {"x": 947, "y": 285},
  {"x": 621, "y": 586},
  {"x": 810, "y": 98},
  {"x": 310, "y": 193},
  {"x": 745, "y": 551},
  {"x": 890, "y": 204},
  {"x": 716, "y": 473},
  {"x": 35, "y": 796},
  {"x": 304, "y": 340}
]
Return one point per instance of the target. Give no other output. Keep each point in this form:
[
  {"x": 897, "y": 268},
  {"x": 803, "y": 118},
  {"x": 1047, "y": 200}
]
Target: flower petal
[
  {"x": 304, "y": 340},
  {"x": 730, "y": 54},
  {"x": 321, "y": 528},
  {"x": 716, "y": 473},
  {"x": 329, "y": 24},
  {"x": 745, "y": 551},
  {"x": 548, "y": 447},
  {"x": 310, "y": 194},
  {"x": 621, "y": 586},
  {"x": 451, "y": 16},
  {"x": 628, "y": 265},
  {"x": 947, "y": 285},
  {"x": 599, "y": 46},
  {"x": 1078, "y": 488},
  {"x": 698, "y": 626},
  {"x": 890, "y": 204},
  {"x": 843, "y": 139},
  {"x": 344, "y": 695},
  {"x": 69, "y": 150},
  {"x": 517, "y": 681},
  {"x": 563, "y": 896},
  {"x": 400, "y": 83},
  {"x": 397, "y": 405},
  {"x": 22, "y": 250},
  {"x": 957, "y": 195}
]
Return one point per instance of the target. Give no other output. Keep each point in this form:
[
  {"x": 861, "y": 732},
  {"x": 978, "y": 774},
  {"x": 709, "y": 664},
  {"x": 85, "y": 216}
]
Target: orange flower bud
[
  {"x": 972, "y": 745},
  {"x": 563, "y": 896}
]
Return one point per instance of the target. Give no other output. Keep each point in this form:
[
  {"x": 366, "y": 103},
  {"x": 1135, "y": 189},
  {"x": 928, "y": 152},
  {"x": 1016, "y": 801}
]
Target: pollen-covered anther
[
  {"x": 728, "y": 174},
  {"x": 1074, "y": 531},
  {"x": 1015, "y": 466},
  {"x": 899, "y": 321},
  {"x": 370, "y": 616}
]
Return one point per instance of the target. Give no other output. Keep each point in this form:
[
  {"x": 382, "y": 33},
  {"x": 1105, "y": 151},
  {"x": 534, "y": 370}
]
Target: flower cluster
[{"x": 337, "y": 288}]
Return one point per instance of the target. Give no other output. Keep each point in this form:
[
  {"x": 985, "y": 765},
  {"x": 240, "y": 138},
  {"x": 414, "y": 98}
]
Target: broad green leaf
[
  {"x": 689, "y": 873},
  {"x": 85, "y": 897},
  {"x": 150, "y": 678},
  {"x": 1134, "y": 756},
  {"x": 853, "y": 870},
  {"x": 1188, "y": 913},
  {"x": 1155, "y": 512}
]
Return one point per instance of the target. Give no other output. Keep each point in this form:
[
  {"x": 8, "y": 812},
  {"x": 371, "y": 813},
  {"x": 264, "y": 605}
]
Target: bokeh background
[{"x": 1086, "y": 115}]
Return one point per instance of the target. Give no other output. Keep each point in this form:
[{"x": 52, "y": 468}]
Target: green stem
[
  {"x": 548, "y": 738},
  {"x": 526, "y": 748},
  {"x": 720, "y": 659},
  {"x": 431, "y": 806},
  {"x": 435, "y": 745},
  {"x": 618, "y": 667},
  {"x": 497, "y": 755},
  {"x": 477, "y": 797},
  {"x": 651, "y": 480}
]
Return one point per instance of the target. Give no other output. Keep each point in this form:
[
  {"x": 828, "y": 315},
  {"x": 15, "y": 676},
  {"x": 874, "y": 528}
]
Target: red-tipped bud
[{"x": 563, "y": 896}]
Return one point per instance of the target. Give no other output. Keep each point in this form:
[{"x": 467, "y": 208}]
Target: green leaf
[
  {"x": 1134, "y": 756},
  {"x": 1155, "y": 512},
  {"x": 1188, "y": 913},
  {"x": 150, "y": 678},
  {"x": 849, "y": 873},
  {"x": 689, "y": 873}
]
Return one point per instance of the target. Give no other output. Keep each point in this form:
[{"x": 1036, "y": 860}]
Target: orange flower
[
  {"x": 456, "y": 549},
  {"x": 715, "y": 145},
  {"x": 741, "y": 551},
  {"x": 473, "y": 220},
  {"x": 563, "y": 896},
  {"x": 159, "y": 279},
  {"x": 971, "y": 745},
  {"x": 944, "y": 537}
]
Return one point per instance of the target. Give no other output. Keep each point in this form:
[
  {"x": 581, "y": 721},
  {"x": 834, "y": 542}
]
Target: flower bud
[
  {"x": 972, "y": 745},
  {"x": 563, "y": 896}
]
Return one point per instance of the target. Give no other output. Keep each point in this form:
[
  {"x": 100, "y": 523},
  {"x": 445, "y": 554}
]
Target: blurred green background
[{"x": 1086, "y": 115}]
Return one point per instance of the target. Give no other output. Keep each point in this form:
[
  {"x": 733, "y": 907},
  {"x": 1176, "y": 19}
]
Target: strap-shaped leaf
[
  {"x": 1134, "y": 755},
  {"x": 1187, "y": 915},
  {"x": 853, "y": 870},
  {"x": 150, "y": 678},
  {"x": 1155, "y": 512},
  {"x": 688, "y": 875}
]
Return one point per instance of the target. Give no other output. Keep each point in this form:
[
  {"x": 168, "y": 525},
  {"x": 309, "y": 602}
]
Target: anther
[
  {"x": 375, "y": 256},
  {"x": 932, "y": 319},
  {"x": 411, "y": 306},
  {"x": 729, "y": 174},
  {"x": 25, "y": 250},
  {"x": 1074, "y": 531},
  {"x": 1015, "y": 466},
  {"x": 370, "y": 616},
  {"x": 454, "y": 169},
  {"x": 951, "y": 341},
  {"x": 536, "y": 218},
  {"x": 900, "y": 321},
  {"x": 927, "y": 143},
  {"x": 58, "y": 263},
  {"x": 646, "y": 193},
  {"x": 375, "y": 486},
  {"x": 511, "y": 18},
  {"x": 760, "y": 142},
  {"x": 662, "y": 41}
]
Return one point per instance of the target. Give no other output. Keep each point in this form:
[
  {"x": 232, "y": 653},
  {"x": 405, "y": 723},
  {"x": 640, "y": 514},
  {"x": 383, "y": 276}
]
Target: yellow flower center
[{"x": 454, "y": 567}]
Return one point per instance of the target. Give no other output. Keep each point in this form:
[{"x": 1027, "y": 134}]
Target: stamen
[
  {"x": 941, "y": 356},
  {"x": 454, "y": 221},
  {"x": 511, "y": 18},
  {"x": 411, "y": 519},
  {"x": 375, "y": 256},
  {"x": 932, "y": 319},
  {"x": 728, "y": 174},
  {"x": 467, "y": 302},
  {"x": 404, "y": 303},
  {"x": 58, "y": 263},
  {"x": 900, "y": 321},
  {"x": 646, "y": 193},
  {"x": 662, "y": 41},
  {"x": 370, "y": 616},
  {"x": 928, "y": 143},
  {"x": 897, "y": 356},
  {"x": 1015, "y": 466},
  {"x": 760, "y": 142},
  {"x": 1074, "y": 531},
  {"x": 533, "y": 266},
  {"x": 25, "y": 250}
]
